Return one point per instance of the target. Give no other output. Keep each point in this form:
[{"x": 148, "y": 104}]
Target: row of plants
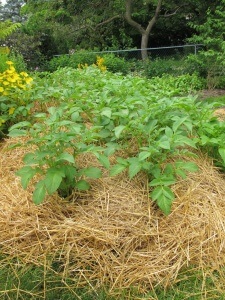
[
  {"x": 154, "y": 123},
  {"x": 204, "y": 64}
]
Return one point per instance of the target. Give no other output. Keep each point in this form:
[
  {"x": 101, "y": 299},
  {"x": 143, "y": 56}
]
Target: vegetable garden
[{"x": 109, "y": 180}]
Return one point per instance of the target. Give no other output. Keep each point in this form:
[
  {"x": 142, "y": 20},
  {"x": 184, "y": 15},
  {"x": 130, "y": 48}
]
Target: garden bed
[{"x": 114, "y": 235}]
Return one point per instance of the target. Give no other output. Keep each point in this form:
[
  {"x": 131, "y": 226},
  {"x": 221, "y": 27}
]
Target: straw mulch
[{"x": 113, "y": 234}]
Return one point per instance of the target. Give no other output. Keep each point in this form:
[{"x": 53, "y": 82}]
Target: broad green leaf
[
  {"x": 52, "y": 110},
  {"x": 189, "y": 125},
  {"x": 183, "y": 140},
  {"x": 40, "y": 115},
  {"x": 118, "y": 130},
  {"x": 181, "y": 173},
  {"x": 103, "y": 159},
  {"x": 156, "y": 193},
  {"x": 168, "y": 170},
  {"x": 111, "y": 148},
  {"x": 122, "y": 161},
  {"x": 143, "y": 155},
  {"x": 17, "y": 132},
  {"x": 134, "y": 168},
  {"x": 69, "y": 171},
  {"x": 52, "y": 179},
  {"x": 65, "y": 123},
  {"x": 162, "y": 190},
  {"x": 150, "y": 126},
  {"x": 82, "y": 185},
  {"x": 39, "y": 192},
  {"x": 163, "y": 197},
  {"x": 26, "y": 173},
  {"x": 168, "y": 132},
  {"x": 116, "y": 169},
  {"x": 29, "y": 158},
  {"x": 164, "y": 144},
  {"x": 187, "y": 165},
  {"x": 75, "y": 116},
  {"x": 20, "y": 125},
  {"x": 163, "y": 180},
  {"x": 179, "y": 121},
  {"x": 222, "y": 154},
  {"x": 104, "y": 133},
  {"x": 67, "y": 157},
  {"x": 92, "y": 172},
  {"x": 107, "y": 112}
]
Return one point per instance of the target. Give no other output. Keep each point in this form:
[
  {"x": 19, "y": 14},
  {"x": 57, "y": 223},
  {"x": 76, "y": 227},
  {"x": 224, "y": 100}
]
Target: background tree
[
  {"x": 11, "y": 11},
  {"x": 211, "y": 61},
  {"x": 61, "y": 25}
]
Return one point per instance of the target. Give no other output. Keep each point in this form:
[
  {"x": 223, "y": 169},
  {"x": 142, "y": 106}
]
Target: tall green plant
[
  {"x": 211, "y": 35},
  {"x": 59, "y": 137}
]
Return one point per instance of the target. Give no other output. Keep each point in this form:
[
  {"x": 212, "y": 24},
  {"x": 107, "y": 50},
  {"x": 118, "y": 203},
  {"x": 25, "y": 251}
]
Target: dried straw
[{"x": 114, "y": 234}]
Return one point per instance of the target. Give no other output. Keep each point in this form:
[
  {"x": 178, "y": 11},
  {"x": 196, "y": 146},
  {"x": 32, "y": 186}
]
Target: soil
[{"x": 211, "y": 93}]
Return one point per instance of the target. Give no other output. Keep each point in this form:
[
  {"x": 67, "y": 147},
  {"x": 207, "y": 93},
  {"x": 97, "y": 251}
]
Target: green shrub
[
  {"x": 112, "y": 62},
  {"x": 116, "y": 64},
  {"x": 209, "y": 65},
  {"x": 13, "y": 105},
  {"x": 73, "y": 61},
  {"x": 17, "y": 60},
  {"x": 161, "y": 66}
]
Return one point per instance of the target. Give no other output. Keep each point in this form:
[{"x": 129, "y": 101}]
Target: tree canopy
[{"x": 61, "y": 25}]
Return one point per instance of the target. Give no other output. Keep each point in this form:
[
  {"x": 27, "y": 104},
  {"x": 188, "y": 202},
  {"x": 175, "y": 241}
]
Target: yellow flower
[
  {"x": 5, "y": 82},
  {"x": 24, "y": 74},
  {"x": 22, "y": 86},
  {"x": 11, "y": 70},
  {"x": 9, "y": 62},
  {"x": 11, "y": 110},
  {"x": 1, "y": 89},
  {"x": 28, "y": 80}
]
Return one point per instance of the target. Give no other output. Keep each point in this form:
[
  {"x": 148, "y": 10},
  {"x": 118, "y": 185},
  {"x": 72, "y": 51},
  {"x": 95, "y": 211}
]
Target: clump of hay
[{"x": 113, "y": 234}]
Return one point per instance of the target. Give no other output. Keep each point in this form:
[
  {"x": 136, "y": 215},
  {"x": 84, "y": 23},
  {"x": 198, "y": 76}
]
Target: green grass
[
  {"x": 25, "y": 281},
  {"x": 218, "y": 100}
]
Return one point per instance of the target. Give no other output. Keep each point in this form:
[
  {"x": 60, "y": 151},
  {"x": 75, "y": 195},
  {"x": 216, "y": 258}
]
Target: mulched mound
[{"x": 113, "y": 234}]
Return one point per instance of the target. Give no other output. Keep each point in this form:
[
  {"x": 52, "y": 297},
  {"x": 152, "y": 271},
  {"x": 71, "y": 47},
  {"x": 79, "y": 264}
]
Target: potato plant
[{"x": 101, "y": 112}]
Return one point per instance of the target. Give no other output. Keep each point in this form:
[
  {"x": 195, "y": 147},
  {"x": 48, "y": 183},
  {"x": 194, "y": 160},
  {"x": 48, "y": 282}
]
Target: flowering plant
[
  {"x": 12, "y": 105},
  {"x": 99, "y": 64}
]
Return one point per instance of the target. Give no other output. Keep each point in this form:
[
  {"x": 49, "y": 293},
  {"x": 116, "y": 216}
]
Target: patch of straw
[{"x": 113, "y": 234}]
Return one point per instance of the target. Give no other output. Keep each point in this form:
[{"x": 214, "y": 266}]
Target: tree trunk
[
  {"x": 144, "y": 32},
  {"x": 144, "y": 46}
]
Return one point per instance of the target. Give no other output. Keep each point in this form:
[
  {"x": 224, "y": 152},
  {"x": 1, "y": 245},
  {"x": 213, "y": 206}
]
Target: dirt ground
[{"x": 211, "y": 93}]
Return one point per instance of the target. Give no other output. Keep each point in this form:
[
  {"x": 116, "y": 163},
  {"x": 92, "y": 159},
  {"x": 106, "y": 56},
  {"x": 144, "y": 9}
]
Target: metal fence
[{"x": 153, "y": 53}]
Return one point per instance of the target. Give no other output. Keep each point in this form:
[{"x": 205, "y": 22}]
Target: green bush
[
  {"x": 116, "y": 64},
  {"x": 209, "y": 65},
  {"x": 17, "y": 60},
  {"x": 73, "y": 61},
  {"x": 161, "y": 66},
  {"x": 112, "y": 62}
]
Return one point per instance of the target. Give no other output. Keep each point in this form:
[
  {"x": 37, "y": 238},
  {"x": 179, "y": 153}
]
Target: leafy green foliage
[
  {"x": 14, "y": 103},
  {"x": 100, "y": 113},
  {"x": 7, "y": 27},
  {"x": 116, "y": 64},
  {"x": 73, "y": 60},
  {"x": 111, "y": 61},
  {"x": 63, "y": 131},
  {"x": 211, "y": 34}
]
